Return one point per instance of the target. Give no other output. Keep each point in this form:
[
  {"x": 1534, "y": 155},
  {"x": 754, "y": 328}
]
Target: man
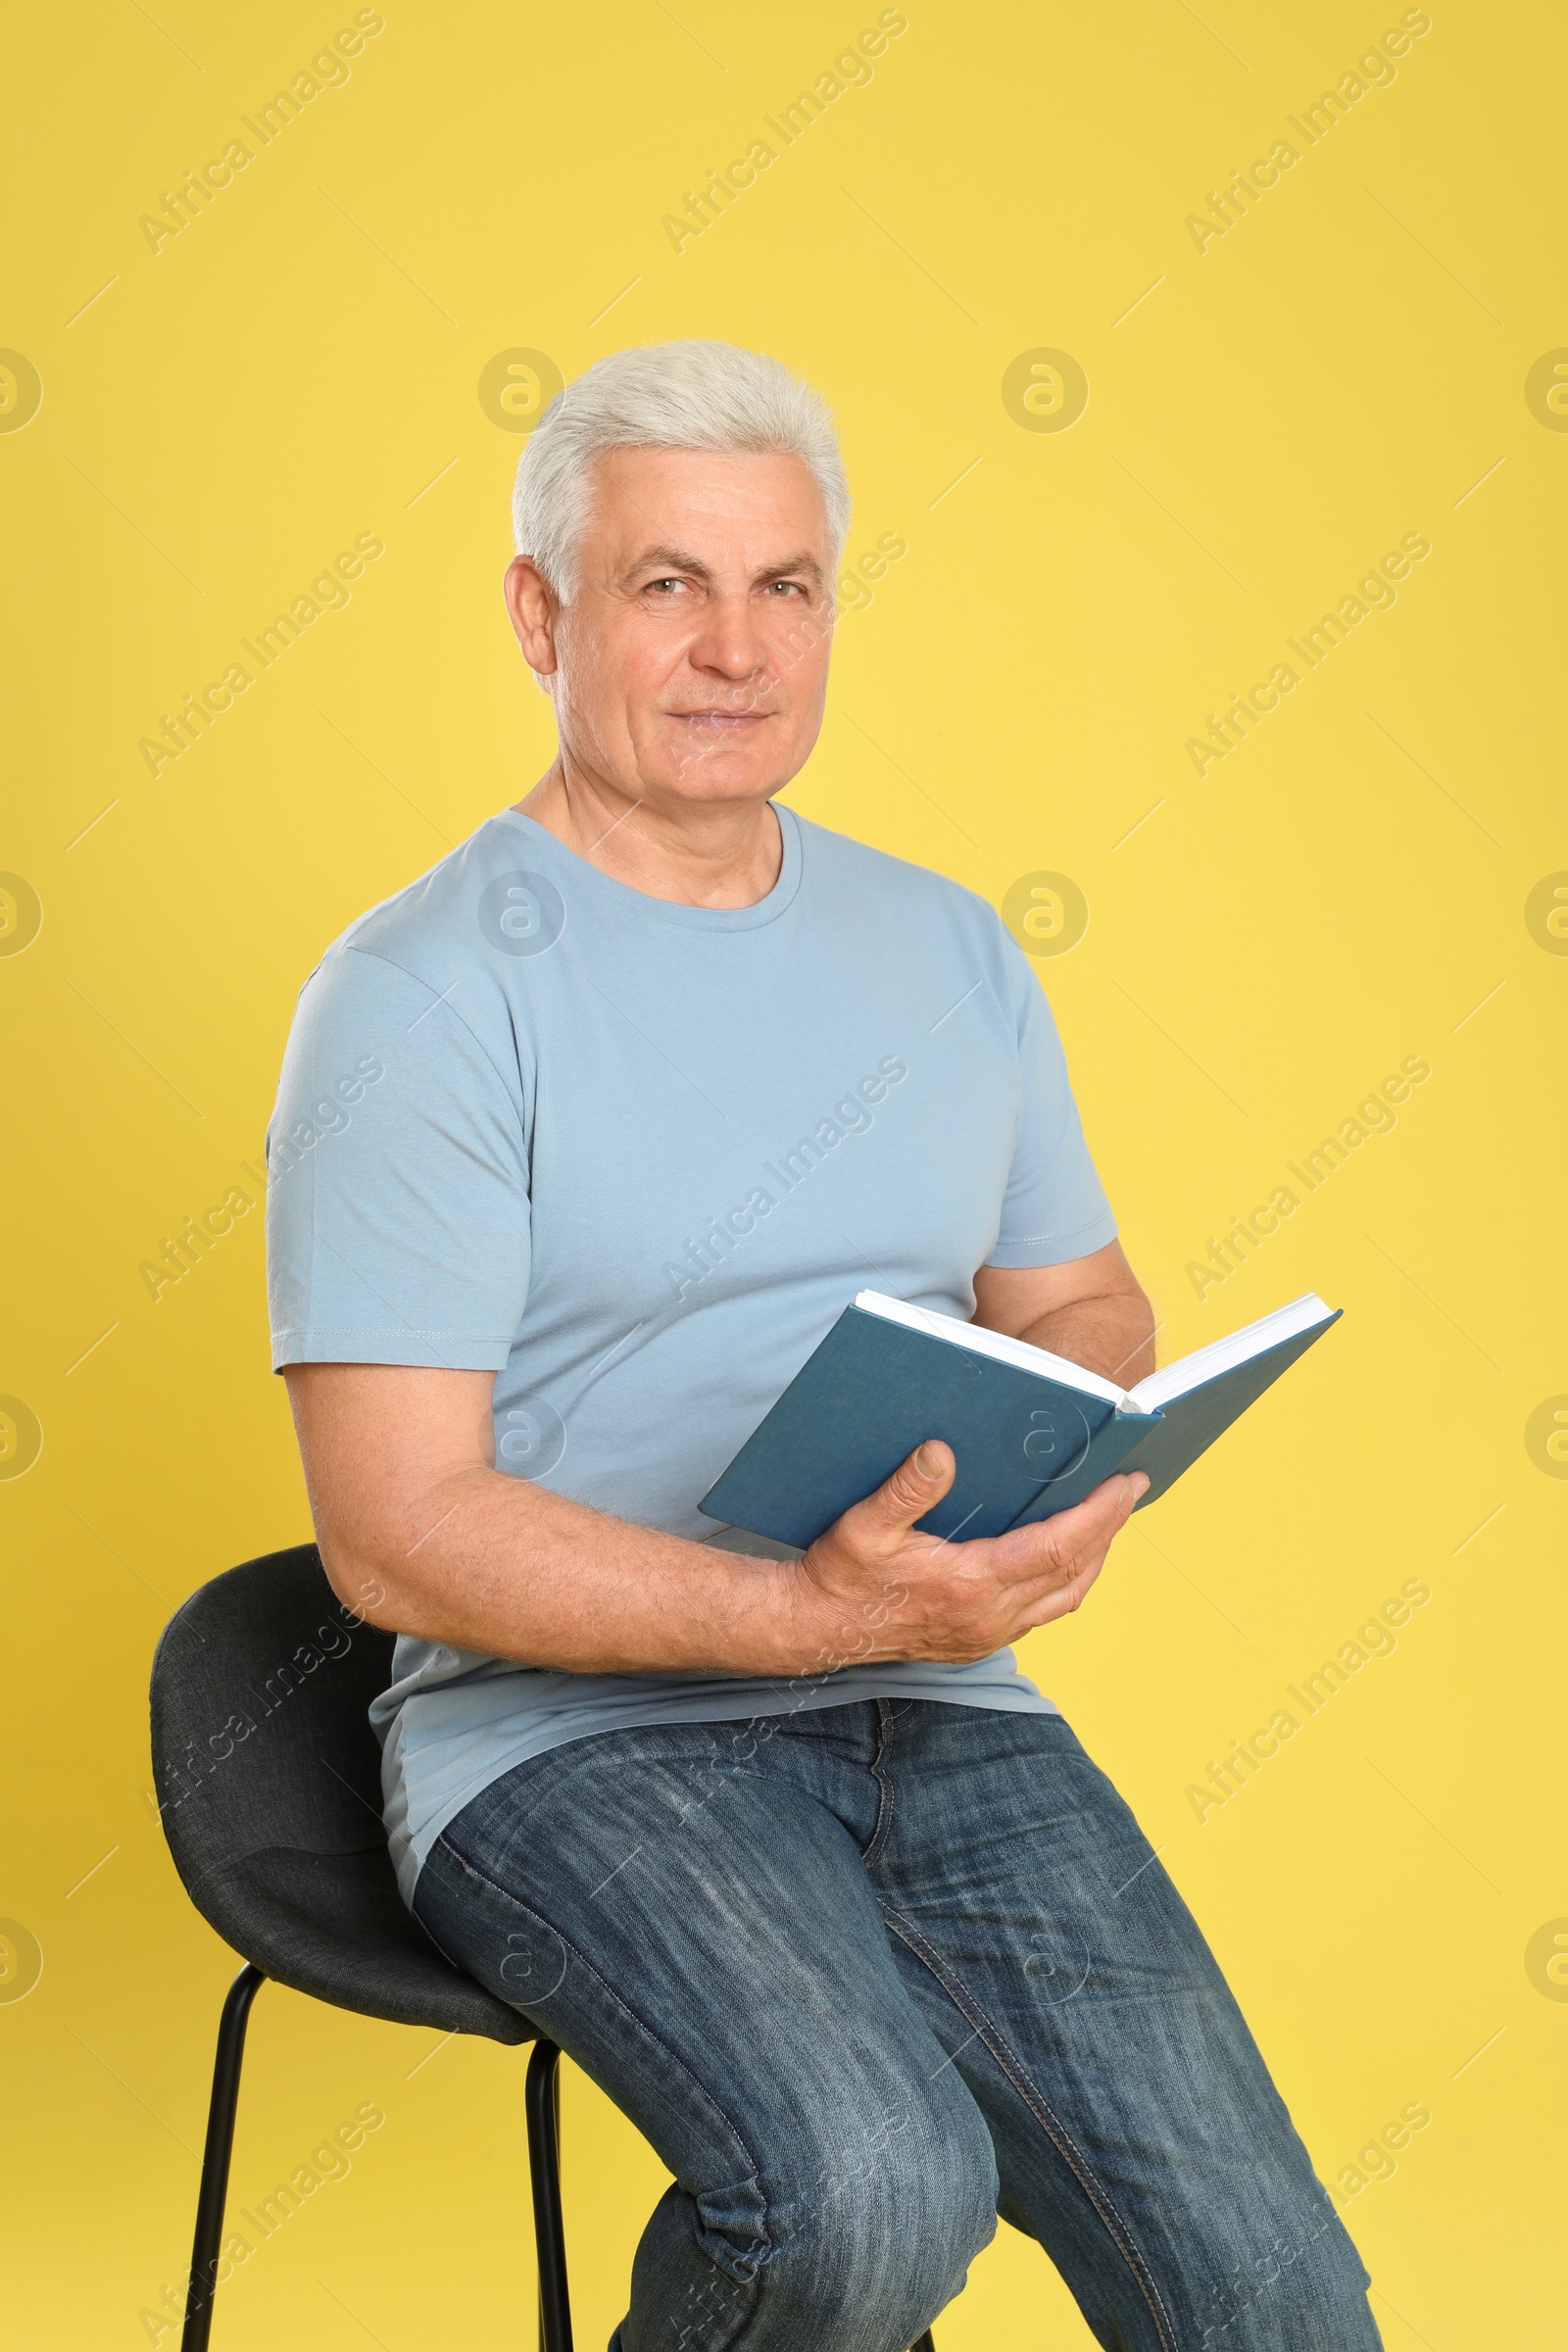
[{"x": 584, "y": 1141}]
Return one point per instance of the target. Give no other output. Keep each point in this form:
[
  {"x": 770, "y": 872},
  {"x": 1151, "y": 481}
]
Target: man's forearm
[
  {"x": 510, "y": 1569},
  {"x": 1113, "y": 1335},
  {"x": 421, "y": 1535}
]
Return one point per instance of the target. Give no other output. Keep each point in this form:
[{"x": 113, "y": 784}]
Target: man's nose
[{"x": 729, "y": 640}]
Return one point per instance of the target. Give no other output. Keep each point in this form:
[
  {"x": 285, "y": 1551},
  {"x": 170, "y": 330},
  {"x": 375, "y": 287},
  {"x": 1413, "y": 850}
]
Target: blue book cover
[{"x": 1031, "y": 1432}]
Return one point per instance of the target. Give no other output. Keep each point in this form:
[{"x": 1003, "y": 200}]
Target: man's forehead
[{"x": 764, "y": 505}]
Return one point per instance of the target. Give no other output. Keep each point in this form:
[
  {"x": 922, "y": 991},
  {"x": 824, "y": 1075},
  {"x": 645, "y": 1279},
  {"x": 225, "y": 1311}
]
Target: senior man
[{"x": 782, "y": 1849}]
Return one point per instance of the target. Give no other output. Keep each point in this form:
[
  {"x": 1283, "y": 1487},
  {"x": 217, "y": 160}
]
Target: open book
[{"x": 1032, "y": 1433}]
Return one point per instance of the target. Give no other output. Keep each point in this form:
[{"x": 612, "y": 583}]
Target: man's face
[{"x": 691, "y": 662}]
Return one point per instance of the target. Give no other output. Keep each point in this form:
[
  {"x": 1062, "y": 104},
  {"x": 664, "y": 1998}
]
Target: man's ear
[{"x": 533, "y": 609}]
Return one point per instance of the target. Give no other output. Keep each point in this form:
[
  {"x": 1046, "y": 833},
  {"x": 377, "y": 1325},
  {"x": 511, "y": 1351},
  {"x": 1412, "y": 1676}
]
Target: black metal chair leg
[
  {"x": 541, "y": 2099},
  {"x": 214, "y": 2193}
]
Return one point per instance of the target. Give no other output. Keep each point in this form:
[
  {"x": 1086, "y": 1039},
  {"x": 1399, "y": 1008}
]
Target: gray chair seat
[{"x": 270, "y": 1780}]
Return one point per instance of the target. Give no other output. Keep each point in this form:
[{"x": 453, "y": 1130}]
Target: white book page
[
  {"x": 1149, "y": 1395},
  {"x": 1223, "y": 1355},
  {"x": 996, "y": 1344}
]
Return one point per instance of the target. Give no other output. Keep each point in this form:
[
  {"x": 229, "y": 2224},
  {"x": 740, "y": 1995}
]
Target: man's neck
[{"x": 695, "y": 854}]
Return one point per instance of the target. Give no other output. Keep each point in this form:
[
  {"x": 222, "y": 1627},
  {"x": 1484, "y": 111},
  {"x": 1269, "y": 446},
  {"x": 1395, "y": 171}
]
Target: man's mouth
[{"x": 720, "y": 722}]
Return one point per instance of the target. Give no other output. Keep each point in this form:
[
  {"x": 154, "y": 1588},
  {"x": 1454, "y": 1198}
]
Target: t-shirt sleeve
[
  {"x": 1055, "y": 1207},
  {"x": 397, "y": 1196}
]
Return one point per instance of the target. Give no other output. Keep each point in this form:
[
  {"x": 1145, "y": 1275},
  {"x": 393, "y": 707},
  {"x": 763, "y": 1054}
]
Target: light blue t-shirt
[{"x": 635, "y": 1159}]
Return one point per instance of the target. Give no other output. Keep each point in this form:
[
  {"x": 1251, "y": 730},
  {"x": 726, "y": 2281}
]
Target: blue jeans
[{"x": 865, "y": 1978}]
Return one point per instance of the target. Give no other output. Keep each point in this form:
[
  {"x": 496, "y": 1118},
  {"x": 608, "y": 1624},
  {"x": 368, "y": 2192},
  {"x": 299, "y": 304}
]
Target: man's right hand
[{"x": 881, "y": 1590}]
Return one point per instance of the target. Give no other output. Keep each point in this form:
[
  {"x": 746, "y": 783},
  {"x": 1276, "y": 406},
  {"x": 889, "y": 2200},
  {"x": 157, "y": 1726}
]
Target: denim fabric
[{"x": 867, "y": 1976}]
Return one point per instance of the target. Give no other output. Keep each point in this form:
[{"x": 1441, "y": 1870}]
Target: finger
[
  {"x": 1067, "y": 1595},
  {"x": 916, "y": 1487},
  {"x": 1075, "y": 1541},
  {"x": 1045, "y": 1589},
  {"x": 1060, "y": 1540},
  {"x": 1115, "y": 1497}
]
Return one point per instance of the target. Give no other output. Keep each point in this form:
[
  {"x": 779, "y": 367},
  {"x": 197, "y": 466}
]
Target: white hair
[{"x": 688, "y": 395}]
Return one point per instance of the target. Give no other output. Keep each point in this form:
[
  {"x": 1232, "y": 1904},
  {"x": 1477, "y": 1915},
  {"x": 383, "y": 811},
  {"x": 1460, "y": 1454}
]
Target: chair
[{"x": 269, "y": 1777}]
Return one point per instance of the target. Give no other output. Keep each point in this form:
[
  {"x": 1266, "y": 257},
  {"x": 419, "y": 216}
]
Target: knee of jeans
[{"x": 879, "y": 2237}]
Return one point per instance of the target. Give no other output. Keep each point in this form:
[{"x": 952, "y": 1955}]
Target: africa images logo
[{"x": 522, "y": 913}]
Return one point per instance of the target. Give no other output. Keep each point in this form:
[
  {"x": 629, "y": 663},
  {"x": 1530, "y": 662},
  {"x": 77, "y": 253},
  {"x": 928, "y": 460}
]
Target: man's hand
[{"x": 894, "y": 1593}]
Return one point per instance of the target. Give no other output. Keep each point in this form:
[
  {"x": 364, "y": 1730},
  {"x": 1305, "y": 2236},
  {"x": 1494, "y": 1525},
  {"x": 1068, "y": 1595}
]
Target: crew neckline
[{"x": 672, "y": 911}]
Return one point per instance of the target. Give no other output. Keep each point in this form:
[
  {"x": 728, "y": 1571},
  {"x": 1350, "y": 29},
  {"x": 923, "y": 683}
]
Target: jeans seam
[
  {"x": 754, "y": 2178},
  {"x": 1100, "y": 2197},
  {"x": 884, "y": 1787}
]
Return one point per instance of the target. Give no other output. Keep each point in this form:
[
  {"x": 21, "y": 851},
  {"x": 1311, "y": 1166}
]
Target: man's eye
[
  {"x": 660, "y": 585},
  {"x": 786, "y": 587}
]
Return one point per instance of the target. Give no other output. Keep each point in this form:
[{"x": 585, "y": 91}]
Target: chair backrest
[{"x": 270, "y": 1785}]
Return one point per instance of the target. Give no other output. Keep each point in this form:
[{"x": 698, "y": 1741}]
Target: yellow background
[{"x": 1341, "y": 369}]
